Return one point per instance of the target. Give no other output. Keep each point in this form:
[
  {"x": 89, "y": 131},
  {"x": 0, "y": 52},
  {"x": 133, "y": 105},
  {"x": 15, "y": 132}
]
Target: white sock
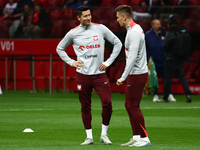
[
  {"x": 136, "y": 137},
  {"x": 104, "y": 129},
  {"x": 89, "y": 133},
  {"x": 146, "y": 139}
]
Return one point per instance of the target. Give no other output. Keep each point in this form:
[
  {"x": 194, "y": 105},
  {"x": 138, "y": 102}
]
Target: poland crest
[
  {"x": 95, "y": 38},
  {"x": 79, "y": 87}
]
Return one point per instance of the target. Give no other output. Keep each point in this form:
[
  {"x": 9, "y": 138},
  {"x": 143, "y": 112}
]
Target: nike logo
[
  {"x": 105, "y": 82},
  {"x": 128, "y": 85}
]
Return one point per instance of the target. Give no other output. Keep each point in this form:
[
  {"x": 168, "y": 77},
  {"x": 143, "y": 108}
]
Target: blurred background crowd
[{"x": 53, "y": 18}]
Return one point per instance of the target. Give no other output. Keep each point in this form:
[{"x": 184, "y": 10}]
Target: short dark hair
[
  {"x": 80, "y": 9},
  {"x": 172, "y": 20},
  {"x": 125, "y": 9}
]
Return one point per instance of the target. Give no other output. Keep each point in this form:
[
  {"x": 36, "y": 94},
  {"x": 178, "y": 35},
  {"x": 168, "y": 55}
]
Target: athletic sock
[
  {"x": 136, "y": 137},
  {"x": 89, "y": 133},
  {"x": 146, "y": 139},
  {"x": 104, "y": 129}
]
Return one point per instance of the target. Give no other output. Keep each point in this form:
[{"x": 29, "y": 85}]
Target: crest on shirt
[
  {"x": 79, "y": 87},
  {"x": 95, "y": 38}
]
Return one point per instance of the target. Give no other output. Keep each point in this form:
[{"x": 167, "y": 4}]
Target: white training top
[
  {"x": 88, "y": 43},
  {"x": 135, "y": 49},
  {"x": 10, "y": 8}
]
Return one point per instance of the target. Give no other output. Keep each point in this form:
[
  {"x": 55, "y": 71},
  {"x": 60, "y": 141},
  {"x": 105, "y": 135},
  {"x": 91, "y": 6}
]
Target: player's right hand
[
  {"x": 119, "y": 82},
  {"x": 77, "y": 64}
]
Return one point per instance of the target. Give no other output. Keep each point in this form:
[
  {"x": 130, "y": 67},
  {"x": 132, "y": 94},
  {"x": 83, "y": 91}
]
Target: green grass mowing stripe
[{"x": 57, "y": 122}]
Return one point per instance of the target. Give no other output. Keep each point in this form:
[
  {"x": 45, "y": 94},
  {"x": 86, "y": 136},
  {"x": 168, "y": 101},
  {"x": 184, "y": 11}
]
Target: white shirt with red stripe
[
  {"x": 88, "y": 43},
  {"x": 135, "y": 49}
]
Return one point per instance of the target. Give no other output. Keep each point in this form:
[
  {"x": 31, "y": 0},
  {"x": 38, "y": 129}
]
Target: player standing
[
  {"x": 88, "y": 43},
  {"x": 136, "y": 73}
]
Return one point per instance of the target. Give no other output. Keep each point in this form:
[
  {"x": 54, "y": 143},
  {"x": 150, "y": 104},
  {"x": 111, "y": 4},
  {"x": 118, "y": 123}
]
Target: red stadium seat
[
  {"x": 194, "y": 2},
  {"x": 187, "y": 24},
  {"x": 54, "y": 3},
  {"x": 197, "y": 75},
  {"x": 71, "y": 76},
  {"x": 43, "y": 2},
  {"x": 57, "y": 74},
  {"x": 145, "y": 24},
  {"x": 70, "y": 24},
  {"x": 120, "y": 2},
  {"x": 56, "y": 14},
  {"x": 98, "y": 13},
  {"x": 3, "y": 3},
  {"x": 109, "y": 14},
  {"x": 4, "y": 26},
  {"x": 57, "y": 29},
  {"x": 102, "y": 21},
  {"x": 197, "y": 25},
  {"x": 114, "y": 26},
  {"x": 134, "y": 3},
  {"x": 174, "y": 2},
  {"x": 69, "y": 14},
  {"x": 42, "y": 74},
  {"x": 191, "y": 67}
]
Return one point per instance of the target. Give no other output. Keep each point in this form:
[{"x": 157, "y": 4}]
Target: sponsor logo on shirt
[
  {"x": 81, "y": 47},
  {"x": 89, "y": 46},
  {"x": 95, "y": 38},
  {"x": 90, "y": 56}
]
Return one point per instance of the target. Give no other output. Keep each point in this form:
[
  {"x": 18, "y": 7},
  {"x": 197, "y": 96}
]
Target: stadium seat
[
  {"x": 134, "y": 3},
  {"x": 4, "y": 26},
  {"x": 71, "y": 76},
  {"x": 43, "y": 2},
  {"x": 114, "y": 26},
  {"x": 197, "y": 75},
  {"x": 3, "y": 3},
  {"x": 67, "y": 25},
  {"x": 187, "y": 24},
  {"x": 194, "y": 13},
  {"x": 102, "y": 21},
  {"x": 57, "y": 29},
  {"x": 197, "y": 25},
  {"x": 144, "y": 23},
  {"x": 57, "y": 74},
  {"x": 42, "y": 74},
  {"x": 105, "y": 3},
  {"x": 194, "y": 2},
  {"x": 69, "y": 14},
  {"x": 56, "y": 14},
  {"x": 54, "y": 3},
  {"x": 120, "y": 2},
  {"x": 191, "y": 67},
  {"x": 174, "y": 2},
  {"x": 116, "y": 71},
  {"x": 110, "y": 14},
  {"x": 164, "y": 24},
  {"x": 98, "y": 13}
]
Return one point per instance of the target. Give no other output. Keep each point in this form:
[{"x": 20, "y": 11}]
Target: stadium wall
[{"x": 22, "y": 51}]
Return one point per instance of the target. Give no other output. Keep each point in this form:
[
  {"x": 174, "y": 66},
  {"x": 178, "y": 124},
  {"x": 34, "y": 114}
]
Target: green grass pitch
[{"x": 57, "y": 124}]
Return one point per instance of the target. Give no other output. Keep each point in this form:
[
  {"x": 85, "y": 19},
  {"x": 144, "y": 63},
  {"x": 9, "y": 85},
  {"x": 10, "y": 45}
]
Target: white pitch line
[{"x": 97, "y": 109}]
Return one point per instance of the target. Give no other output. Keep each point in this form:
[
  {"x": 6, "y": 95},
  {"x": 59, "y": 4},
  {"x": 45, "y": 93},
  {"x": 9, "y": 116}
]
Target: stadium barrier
[{"x": 22, "y": 63}]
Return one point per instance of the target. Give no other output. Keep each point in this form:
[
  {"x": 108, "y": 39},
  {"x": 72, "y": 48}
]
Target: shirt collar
[{"x": 131, "y": 25}]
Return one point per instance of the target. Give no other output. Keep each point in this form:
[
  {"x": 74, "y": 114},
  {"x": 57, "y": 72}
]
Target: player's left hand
[
  {"x": 102, "y": 67},
  {"x": 119, "y": 82}
]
